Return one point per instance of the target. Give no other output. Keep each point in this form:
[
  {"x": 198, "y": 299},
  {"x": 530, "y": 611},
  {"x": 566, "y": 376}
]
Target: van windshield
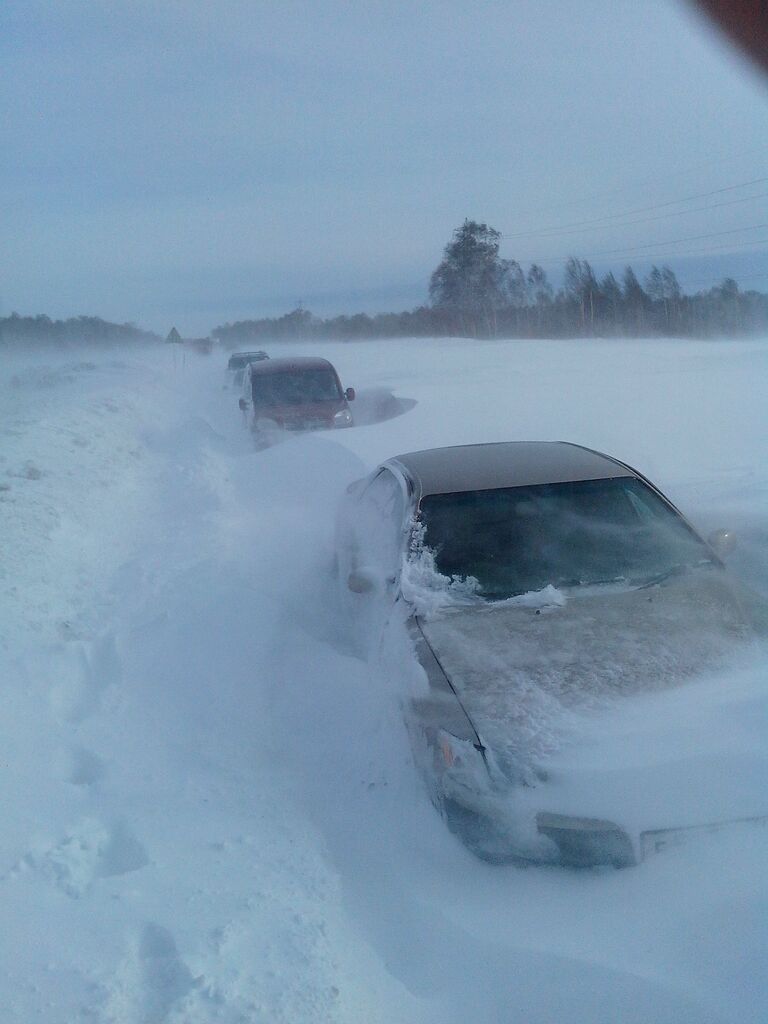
[{"x": 296, "y": 387}]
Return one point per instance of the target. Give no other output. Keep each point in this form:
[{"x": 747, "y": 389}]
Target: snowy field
[{"x": 209, "y": 807}]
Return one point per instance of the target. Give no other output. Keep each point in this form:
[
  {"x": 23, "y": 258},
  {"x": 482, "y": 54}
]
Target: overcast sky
[{"x": 193, "y": 163}]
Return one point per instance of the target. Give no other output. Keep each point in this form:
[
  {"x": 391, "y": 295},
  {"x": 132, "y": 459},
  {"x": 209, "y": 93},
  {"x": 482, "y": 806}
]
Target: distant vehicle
[
  {"x": 300, "y": 393},
  {"x": 238, "y": 362},
  {"x": 537, "y": 580}
]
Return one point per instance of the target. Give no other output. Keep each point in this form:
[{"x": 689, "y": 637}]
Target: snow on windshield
[
  {"x": 425, "y": 587},
  {"x": 519, "y": 540},
  {"x": 430, "y": 591}
]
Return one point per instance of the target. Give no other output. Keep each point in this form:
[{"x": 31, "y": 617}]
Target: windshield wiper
[
  {"x": 660, "y": 577},
  {"x": 676, "y": 570},
  {"x": 591, "y": 583},
  {"x": 505, "y": 595}
]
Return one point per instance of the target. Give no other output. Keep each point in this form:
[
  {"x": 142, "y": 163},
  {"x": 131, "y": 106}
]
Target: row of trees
[
  {"x": 74, "y": 331},
  {"x": 475, "y": 293},
  {"x": 487, "y": 295}
]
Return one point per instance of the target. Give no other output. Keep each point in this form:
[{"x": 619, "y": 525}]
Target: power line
[
  {"x": 685, "y": 252},
  {"x": 635, "y": 186},
  {"x": 653, "y": 245},
  {"x": 709, "y": 251},
  {"x": 557, "y": 229},
  {"x": 663, "y": 216}
]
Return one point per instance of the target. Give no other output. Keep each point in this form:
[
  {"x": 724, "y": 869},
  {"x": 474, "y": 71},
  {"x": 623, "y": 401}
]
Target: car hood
[{"x": 586, "y": 703}]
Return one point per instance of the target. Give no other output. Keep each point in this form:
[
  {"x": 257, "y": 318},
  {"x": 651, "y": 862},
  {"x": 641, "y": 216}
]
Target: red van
[{"x": 300, "y": 393}]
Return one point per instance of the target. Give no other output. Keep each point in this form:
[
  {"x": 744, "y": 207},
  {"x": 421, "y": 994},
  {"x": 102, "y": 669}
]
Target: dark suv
[{"x": 238, "y": 362}]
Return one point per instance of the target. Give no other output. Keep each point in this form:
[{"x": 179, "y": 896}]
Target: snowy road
[{"x": 210, "y": 812}]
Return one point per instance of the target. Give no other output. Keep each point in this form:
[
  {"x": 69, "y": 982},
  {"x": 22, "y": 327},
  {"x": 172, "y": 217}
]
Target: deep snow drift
[{"x": 209, "y": 807}]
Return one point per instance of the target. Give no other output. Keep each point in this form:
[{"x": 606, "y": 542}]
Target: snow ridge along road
[{"x": 210, "y": 811}]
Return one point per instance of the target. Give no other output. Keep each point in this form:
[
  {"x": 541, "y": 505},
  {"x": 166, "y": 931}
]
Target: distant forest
[
  {"x": 474, "y": 293},
  {"x": 78, "y": 329}
]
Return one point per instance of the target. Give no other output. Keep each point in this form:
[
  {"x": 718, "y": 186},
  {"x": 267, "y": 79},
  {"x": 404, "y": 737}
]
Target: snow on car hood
[{"x": 547, "y": 688}]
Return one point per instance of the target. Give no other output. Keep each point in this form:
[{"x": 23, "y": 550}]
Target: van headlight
[{"x": 343, "y": 418}]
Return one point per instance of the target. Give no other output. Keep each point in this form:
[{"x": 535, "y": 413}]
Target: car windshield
[
  {"x": 296, "y": 387},
  {"x": 521, "y": 539}
]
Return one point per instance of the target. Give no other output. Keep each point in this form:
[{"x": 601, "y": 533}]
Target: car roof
[
  {"x": 482, "y": 467},
  {"x": 292, "y": 363},
  {"x": 258, "y": 355}
]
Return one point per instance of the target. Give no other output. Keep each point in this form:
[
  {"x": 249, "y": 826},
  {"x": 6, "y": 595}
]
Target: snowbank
[{"x": 210, "y": 811}]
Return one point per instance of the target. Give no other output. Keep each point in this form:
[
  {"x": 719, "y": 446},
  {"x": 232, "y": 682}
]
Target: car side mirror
[
  {"x": 349, "y": 394},
  {"x": 243, "y": 404},
  {"x": 362, "y": 581},
  {"x": 722, "y": 542}
]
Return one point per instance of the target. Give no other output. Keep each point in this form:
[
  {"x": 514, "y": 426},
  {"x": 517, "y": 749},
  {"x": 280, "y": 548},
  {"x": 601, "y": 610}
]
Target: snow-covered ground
[{"x": 209, "y": 807}]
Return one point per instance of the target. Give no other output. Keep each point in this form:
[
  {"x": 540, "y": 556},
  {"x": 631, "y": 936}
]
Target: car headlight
[
  {"x": 460, "y": 762},
  {"x": 343, "y": 418},
  {"x": 480, "y": 812}
]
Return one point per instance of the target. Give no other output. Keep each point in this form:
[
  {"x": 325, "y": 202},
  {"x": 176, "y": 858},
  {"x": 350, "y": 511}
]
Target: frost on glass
[{"x": 425, "y": 587}]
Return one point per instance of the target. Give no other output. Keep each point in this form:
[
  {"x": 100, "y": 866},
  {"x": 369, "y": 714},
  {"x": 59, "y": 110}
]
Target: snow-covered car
[
  {"x": 298, "y": 393},
  {"x": 544, "y": 587},
  {"x": 237, "y": 363}
]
